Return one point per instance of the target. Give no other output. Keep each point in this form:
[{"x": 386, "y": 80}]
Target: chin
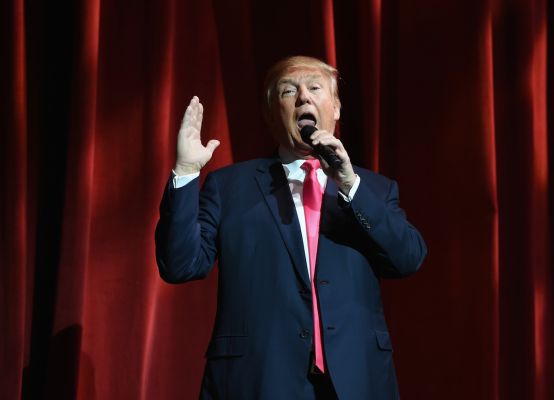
[{"x": 303, "y": 152}]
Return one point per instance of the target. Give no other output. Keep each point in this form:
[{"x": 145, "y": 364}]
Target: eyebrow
[{"x": 290, "y": 80}]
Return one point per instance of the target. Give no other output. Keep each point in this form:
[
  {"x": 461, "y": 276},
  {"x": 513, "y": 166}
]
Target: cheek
[{"x": 286, "y": 114}]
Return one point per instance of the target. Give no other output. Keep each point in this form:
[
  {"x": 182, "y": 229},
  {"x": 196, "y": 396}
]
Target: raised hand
[{"x": 191, "y": 154}]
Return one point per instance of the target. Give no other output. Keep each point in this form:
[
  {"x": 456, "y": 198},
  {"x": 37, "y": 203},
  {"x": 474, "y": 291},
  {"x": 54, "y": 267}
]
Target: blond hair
[{"x": 292, "y": 63}]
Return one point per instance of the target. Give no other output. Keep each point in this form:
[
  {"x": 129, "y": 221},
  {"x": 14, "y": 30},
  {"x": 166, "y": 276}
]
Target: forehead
[{"x": 301, "y": 74}]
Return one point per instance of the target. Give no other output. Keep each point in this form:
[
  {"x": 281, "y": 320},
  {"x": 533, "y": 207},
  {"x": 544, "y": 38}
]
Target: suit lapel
[{"x": 273, "y": 184}]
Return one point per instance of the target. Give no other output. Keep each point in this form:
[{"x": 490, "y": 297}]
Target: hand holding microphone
[
  {"x": 339, "y": 169},
  {"x": 326, "y": 152}
]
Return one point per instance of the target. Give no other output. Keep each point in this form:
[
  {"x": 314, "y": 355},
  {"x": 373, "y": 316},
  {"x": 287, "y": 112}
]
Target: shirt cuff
[
  {"x": 348, "y": 198},
  {"x": 182, "y": 180}
]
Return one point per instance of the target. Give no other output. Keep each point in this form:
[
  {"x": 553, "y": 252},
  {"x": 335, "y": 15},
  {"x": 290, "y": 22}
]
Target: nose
[{"x": 303, "y": 95}]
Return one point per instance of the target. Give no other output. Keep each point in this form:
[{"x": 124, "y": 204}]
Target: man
[{"x": 273, "y": 224}]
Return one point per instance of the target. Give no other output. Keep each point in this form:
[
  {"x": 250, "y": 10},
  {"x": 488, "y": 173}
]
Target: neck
[{"x": 288, "y": 156}]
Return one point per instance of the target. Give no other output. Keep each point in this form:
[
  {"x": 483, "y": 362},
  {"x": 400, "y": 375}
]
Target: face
[{"x": 303, "y": 96}]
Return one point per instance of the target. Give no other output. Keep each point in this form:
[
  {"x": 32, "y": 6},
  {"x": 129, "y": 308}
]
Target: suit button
[
  {"x": 304, "y": 333},
  {"x": 323, "y": 282}
]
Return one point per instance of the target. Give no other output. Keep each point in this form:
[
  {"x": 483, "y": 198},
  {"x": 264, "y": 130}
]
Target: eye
[
  {"x": 315, "y": 87},
  {"x": 288, "y": 91}
]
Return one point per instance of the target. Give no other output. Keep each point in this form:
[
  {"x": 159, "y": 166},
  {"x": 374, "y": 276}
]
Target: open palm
[{"x": 191, "y": 154}]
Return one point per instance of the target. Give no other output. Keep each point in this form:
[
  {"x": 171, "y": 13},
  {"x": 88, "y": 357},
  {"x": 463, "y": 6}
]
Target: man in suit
[{"x": 301, "y": 247}]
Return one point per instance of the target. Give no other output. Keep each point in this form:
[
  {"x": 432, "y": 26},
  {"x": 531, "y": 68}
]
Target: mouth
[{"x": 306, "y": 119}]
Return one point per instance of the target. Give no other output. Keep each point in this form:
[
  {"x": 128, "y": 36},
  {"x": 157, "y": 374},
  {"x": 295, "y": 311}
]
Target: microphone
[{"x": 325, "y": 152}]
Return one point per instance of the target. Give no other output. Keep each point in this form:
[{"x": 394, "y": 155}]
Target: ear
[{"x": 336, "y": 107}]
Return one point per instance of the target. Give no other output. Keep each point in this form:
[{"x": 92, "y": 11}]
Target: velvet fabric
[{"x": 450, "y": 98}]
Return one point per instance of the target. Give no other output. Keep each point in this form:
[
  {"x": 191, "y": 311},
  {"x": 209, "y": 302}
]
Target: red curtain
[{"x": 450, "y": 98}]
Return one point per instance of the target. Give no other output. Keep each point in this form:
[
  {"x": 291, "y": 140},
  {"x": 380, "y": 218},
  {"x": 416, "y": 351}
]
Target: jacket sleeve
[
  {"x": 186, "y": 234},
  {"x": 398, "y": 248}
]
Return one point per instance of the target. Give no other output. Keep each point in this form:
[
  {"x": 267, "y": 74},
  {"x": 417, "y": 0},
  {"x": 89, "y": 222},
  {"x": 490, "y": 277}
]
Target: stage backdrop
[{"x": 448, "y": 97}]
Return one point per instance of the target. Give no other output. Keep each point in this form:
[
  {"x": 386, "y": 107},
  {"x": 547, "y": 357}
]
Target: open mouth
[{"x": 306, "y": 119}]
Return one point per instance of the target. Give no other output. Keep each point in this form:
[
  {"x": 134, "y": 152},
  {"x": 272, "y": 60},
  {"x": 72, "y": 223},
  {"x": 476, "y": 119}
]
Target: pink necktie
[{"x": 313, "y": 195}]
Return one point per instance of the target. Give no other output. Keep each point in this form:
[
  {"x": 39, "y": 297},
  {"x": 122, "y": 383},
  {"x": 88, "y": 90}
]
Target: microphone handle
[{"x": 327, "y": 153}]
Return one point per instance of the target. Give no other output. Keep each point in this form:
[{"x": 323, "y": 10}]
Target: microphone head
[{"x": 306, "y": 132}]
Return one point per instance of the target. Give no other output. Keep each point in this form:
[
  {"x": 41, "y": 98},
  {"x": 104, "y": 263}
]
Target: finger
[
  {"x": 340, "y": 148},
  {"x": 212, "y": 145},
  {"x": 199, "y": 112},
  {"x": 192, "y": 120},
  {"x": 193, "y": 106},
  {"x": 197, "y": 121},
  {"x": 317, "y": 135},
  {"x": 196, "y": 107},
  {"x": 337, "y": 147},
  {"x": 342, "y": 154},
  {"x": 328, "y": 141},
  {"x": 187, "y": 117},
  {"x": 194, "y": 102}
]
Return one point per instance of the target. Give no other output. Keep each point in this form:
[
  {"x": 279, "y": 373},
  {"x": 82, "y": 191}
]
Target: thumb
[{"x": 212, "y": 145}]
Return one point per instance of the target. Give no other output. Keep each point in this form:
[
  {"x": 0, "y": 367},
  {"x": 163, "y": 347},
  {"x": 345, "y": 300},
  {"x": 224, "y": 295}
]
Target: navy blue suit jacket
[{"x": 260, "y": 349}]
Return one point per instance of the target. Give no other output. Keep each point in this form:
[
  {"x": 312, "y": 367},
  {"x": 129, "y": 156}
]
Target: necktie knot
[{"x": 311, "y": 165}]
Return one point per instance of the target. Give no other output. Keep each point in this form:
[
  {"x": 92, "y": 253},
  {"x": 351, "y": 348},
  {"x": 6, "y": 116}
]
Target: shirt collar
[{"x": 291, "y": 164}]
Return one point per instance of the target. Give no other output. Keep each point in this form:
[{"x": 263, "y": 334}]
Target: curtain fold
[
  {"x": 451, "y": 99},
  {"x": 525, "y": 263},
  {"x": 15, "y": 249}
]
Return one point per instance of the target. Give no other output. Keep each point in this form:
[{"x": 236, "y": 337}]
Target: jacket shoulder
[
  {"x": 240, "y": 173},
  {"x": 242, "y": 167},
  {"x": 375, "y": 180}
]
